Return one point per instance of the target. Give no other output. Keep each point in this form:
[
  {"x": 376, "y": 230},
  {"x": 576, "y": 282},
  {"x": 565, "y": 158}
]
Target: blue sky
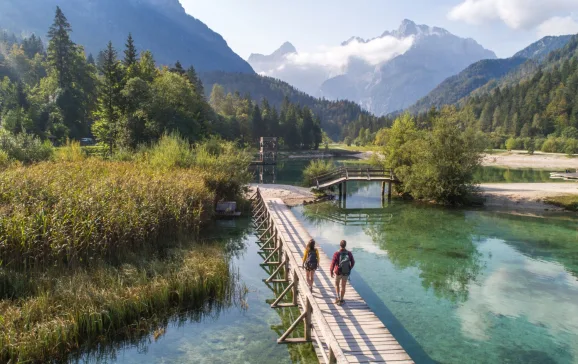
[{"x": 261, "y": 26}]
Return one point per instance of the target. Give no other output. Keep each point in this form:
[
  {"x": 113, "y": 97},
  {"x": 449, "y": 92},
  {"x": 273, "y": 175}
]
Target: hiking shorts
[{"x": 339, "y": 278}]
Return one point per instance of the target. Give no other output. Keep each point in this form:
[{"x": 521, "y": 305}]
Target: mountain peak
[
  {"x": 280, "y": 53},
  {"x": 285, "y": 48},
  {"x": 408, "y": 28}
]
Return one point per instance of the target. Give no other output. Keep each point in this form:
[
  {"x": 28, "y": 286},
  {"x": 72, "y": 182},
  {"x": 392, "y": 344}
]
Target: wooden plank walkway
[
  {"x": 353, "y": 178},
  {"x": 360, "y": 334}
]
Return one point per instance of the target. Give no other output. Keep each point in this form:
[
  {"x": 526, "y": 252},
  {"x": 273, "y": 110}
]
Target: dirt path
[
  {"x": 291, "y": 195},
  {"x": 538, "y": 161}
]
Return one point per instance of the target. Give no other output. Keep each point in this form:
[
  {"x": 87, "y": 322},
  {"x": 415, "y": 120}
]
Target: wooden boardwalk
[
  {"x": 343, "y": 175},
  {"x": 351, "y": 333}
]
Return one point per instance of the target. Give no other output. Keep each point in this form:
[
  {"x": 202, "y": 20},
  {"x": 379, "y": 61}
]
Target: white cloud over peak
[
  {"x": 309, "y": 70},
  {"x": 373, "y": 52},
  {"x": 516, "y": 14},
  {"x": 558, "y": 26}
]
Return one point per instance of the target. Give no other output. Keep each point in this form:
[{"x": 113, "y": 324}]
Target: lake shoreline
[{"x": 518, "y": 198}]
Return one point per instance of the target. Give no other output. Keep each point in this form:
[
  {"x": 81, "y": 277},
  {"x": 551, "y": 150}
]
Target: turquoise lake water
[
  {"x": 291, "y": 172},
  {"x": 242, "y": 333},
  {"x": 452, "y": 285},
  {"x": 460, "y": 286}
]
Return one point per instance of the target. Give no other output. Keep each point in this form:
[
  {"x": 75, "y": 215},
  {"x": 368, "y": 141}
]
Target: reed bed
[
  {"x": 69, "y": 212},
  {"x": 91, "y": 306},
  {"x": 87, "y": 245}
]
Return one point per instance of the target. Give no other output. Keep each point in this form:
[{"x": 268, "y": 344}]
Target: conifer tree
[
  {"x": 61, "y": 49},
  {"x": 130, "y": 60},
  {"x": 109, "y": 99}
]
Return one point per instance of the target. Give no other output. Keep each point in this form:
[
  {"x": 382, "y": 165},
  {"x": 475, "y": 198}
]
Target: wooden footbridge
[
  {"x": 340, "y": 177},
  {"x": 350, "y": 333}
]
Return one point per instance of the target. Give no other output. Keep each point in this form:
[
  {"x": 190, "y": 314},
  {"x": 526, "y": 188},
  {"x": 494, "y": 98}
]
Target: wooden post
[
  {"x": 344, "y": 190},
  {"x": 382, "y": 189},
  {"x": 308, "y": 322},
  {"x": 389, "y": 191},
  {"x": 340, "y": 190},
  {"x": 295, "y": 290},
  {"x": 286, "y": 270}
]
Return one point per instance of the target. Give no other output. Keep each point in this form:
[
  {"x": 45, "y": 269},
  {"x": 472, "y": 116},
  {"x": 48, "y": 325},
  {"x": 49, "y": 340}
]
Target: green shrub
[
  {"x": 538, "y": 142},
  {"x": 571, "y": 146},
  {"x": 25, "y": 148},
  {"x": 511, "y": 144},
  {"x": 551, "y": 145},
  {"x": 4, "y": 160},
  {"x": 171, "y": 151},
  {"x": 316, "y": 168}
]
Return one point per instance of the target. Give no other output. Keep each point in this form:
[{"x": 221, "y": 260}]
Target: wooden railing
[
  {"x": 347, "y": 173},
  {"x": 287, "y": 267}
]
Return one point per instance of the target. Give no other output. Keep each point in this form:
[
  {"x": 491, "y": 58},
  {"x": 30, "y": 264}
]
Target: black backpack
[
  {"x": 311, "y": 261},
  {"x": 344, "y": 263}
]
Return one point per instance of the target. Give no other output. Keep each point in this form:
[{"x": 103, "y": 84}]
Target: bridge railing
[
  {"x": 316, "y": 326},
  {"x": 347, "y": 173}
]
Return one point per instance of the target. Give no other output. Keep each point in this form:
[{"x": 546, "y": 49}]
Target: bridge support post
[
  {"x": 389, "y": 191},
  {"x": 308, "y": 321},
  {"x": 344, "y": 190},
  {"x": 340, "y": 190}
]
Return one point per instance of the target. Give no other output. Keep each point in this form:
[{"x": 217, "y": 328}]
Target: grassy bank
[
  {"x": 87, "y": 245},
  {"x": 568, "y": 202},
  {"x": 59, "y": 313}
]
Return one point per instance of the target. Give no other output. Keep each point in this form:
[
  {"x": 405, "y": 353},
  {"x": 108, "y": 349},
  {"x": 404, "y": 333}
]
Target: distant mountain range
[
  {"x": 483, "y": 75},
  {"x": 161, "y": 26},
  {"x": 426, "y": 56}
]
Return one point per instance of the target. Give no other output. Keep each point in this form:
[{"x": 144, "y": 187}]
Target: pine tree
[
  {"x": 178, "y": 68},
  {"x": 258, "y": 125},
  {"x": 196, "y": 81},
  {"x": 109, "y": 100},
  {"x": 90, "y": 60},
  {"x": 130, "y": 61},
  {"x": 61, "y": 49},
  {"x": 130, "y": 53},
  {"x": 307, "y": 132}
]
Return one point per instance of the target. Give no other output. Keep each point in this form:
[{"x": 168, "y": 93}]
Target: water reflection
[
  {"x": 469, "y": 286},
  {"x": 243, "y": 331},
  {"x": 438, "y": 242}
]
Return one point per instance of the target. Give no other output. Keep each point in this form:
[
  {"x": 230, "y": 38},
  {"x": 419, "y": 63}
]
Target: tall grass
[
  {"x": 92, "y": 305},
  {"x": 69, "y": 230},
  {"x": 75, "y": 208},
  {"x": 67, "y": 212},
  {"x": 315, "y": 168}
]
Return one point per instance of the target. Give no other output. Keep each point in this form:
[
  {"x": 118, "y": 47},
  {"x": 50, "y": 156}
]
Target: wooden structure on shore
[
  {"x": 340, "y": 177},
  {"x": 350, "y": 333},
  {"x": 568, "y": 175}
]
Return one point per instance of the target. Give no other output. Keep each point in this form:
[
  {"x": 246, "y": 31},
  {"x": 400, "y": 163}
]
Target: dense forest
[
  {"x": 533, "y": 108},
  {"x": 124, "y": 100},
  {"x": 334, "y": 115},
  {"x": 540, "y": 106}
]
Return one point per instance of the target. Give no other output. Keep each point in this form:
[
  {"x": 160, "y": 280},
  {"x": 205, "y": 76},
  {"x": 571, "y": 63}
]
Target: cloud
[
  {"x": 516, "y": 14},
  {"x": 558, "y": 26},
  {"x": 309, "y": 70},
  {"x": 373, "y": 52}
]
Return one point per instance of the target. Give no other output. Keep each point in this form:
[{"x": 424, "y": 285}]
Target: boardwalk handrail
[
  {"x": 347, "y": 173},
  {"x": 311, "y": 307}
]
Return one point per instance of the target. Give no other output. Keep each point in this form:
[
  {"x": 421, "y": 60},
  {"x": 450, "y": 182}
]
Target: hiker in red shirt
[{"x": 341, "y": 266}]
